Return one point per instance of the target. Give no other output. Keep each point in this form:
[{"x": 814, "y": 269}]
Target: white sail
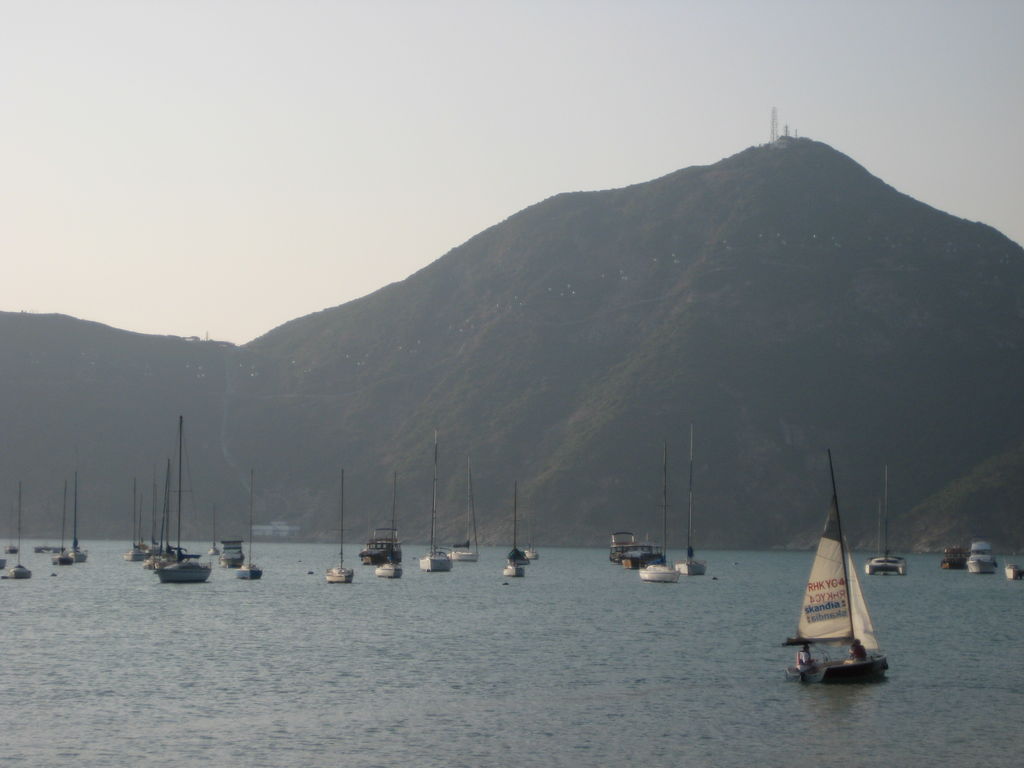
[
  {"x": 863, "y": 629},
  {"x": 833, "y": 609}
]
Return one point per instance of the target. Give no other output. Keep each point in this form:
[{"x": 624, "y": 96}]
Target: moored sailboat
[
  {"x": 884, "y": 563},
  {"x": 662, "y": 572},
  {"x": 691, "y": 566},
  {"x": 62, "y": 557},
  {"x": 249, "y": 570},
  {"x": 339, "y": 574},
  {"x": 185, "y": 569},
  {"x": 463, "y": 552},
  {"x": 137, "y": 552},
  {"x": 436, "y": 560},
  {"x": 76, "y": 552},
  {"x": 19, "y": 571},
  {"x": 834, "y": 612},
  {"x": 391, "y": 566},
  {"x": 516, "y": 557}
]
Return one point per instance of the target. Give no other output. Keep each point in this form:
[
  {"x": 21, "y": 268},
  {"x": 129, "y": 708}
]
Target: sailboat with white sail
[
  {"x": 391, "y": 565},
  {"x": 463, "y": 552},
  {"x": 19, "y": 571},
  {"x": 885, "y": 563},
  {"x": 690, "y": 566},
  {"x": 834, "y": 612},
  {"x": 249, "y": 570},
  {"x": 339, "y": 574},
  {"x": 661, "y": 572},
  {"x": 516, "y": 557},
  {"x": 185, "y": 569},
  {"x": 436, "y": 560}
]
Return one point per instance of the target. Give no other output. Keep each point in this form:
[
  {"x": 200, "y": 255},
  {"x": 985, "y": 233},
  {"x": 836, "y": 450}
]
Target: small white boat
[
  {"x": 462, "y": 552},
  {"x": 249, "y": 570},
  {"x": 339, "y": 574},
  {"x": 436, "y": 560},
  {"x": 1013, "y": 573},
  {"x": 690, "y": 566},
  {"x": 516, "y": 558},
  {"x": 662, "y": 572},
  {"x": 531, "y": 553},
  {"x": 884, "y": 563},
  {"x": 833, "y": 612},
  {"x": 18, "y": 571},
  {"x": 981, "y": 559}
]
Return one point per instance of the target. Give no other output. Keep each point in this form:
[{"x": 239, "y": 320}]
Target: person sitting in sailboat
[
  {"x": 857, "y": 652},
  {"x": 804, "y": 661}
]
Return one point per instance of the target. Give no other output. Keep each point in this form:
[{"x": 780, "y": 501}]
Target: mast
[
  {"x": 689, "y": 514},
  {"x": 664, "y": 503},
  {"x": 515, "y": 502},
  {"x": 433, "y": 498},
  {"x": 842, "y": 546},
  {"x": 341, "y": 523},
  {"x": 135, "y": 501},
  {"x": 472, "y": 506},
  {"x": 181, "y": 426},
  {"x": 74, "y": 539},
  {"x": 885, "y": 511},
  {"x": 394, "y": 529},
  {"x": 19, "y": 522},
  {"x": 63, "y": 515},
  {"x": 252, "y": 481}
]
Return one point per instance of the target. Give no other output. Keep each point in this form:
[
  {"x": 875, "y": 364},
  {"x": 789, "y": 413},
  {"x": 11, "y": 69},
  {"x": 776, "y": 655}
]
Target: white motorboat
[
  {"x": 436, "y": 559},
  {"x": 833, "y": 612},
  {"x": 339, "y": 574},
  {"x": 662, "y": 572},
  {"x": 463, "y": 552},
  {"x": 249, "y": 570},
  {"x": 691, "y": 566},
  {"x": 981, "y": 559},
  {"x": 885, "y": 563},
  {"x": 1013, "y": 572}
]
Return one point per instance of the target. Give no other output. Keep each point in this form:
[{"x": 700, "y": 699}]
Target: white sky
[{"x": 219, "y": 167}]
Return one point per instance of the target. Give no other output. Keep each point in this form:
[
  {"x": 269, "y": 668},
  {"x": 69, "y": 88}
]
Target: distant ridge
[{"x": 783, "y": 299}]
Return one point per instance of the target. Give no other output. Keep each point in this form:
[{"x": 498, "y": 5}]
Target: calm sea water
[{"x": 577, "y": 664}]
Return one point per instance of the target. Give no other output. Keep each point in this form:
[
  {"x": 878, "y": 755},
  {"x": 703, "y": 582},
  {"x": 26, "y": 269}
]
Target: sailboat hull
[
  {"x": 184, "y": 572},
  {"x": 464, "y": 556},
  {"x": 841, "y": 671},
  {"x": 885, "y": 565},
  {"x": 388, "y": 571},
  {"x": 435, "y": 562},
  {"x": 339, "y": 575},
  {"x": 249, "y": 572},
  {"x": 659, "y": 573},
  {"x": 692, "y": 567}
]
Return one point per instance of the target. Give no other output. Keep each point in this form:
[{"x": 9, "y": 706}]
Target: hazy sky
[{"x": 222, "y": 166}]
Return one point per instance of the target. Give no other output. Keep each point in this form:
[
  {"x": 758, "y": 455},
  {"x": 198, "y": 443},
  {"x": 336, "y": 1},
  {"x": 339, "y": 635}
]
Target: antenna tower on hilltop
[{"x": 775, "y": 125}]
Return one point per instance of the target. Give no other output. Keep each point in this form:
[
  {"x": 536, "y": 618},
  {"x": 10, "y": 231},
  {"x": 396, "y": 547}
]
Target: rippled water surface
[{"x": 577, "y": 664}]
